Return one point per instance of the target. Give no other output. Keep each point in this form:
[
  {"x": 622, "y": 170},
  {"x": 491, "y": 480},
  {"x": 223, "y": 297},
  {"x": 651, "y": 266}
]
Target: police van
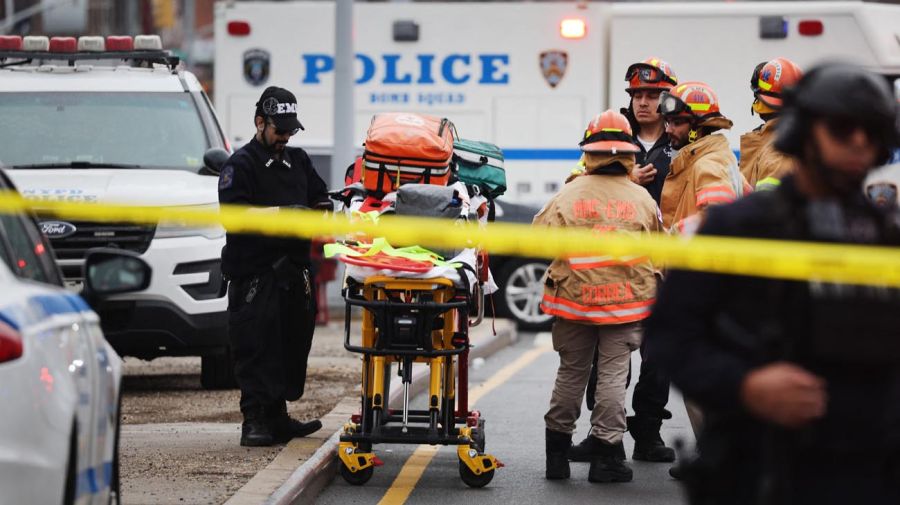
[
  {"x": 116, "y": 120},
  {"x": 526, "y": 76}
]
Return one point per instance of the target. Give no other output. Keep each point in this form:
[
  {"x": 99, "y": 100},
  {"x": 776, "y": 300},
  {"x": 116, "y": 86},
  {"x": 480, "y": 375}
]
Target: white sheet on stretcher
[{"x": 467, "y": 256}]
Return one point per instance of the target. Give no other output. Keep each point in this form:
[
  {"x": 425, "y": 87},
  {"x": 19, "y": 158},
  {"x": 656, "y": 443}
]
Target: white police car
[
  {"x": 116, "y": 120},
  {"x": 60, "y": 380}
]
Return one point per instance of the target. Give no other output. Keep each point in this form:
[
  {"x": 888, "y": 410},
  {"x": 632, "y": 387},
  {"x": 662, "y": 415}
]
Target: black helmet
[{"x": 844, "y": 91}]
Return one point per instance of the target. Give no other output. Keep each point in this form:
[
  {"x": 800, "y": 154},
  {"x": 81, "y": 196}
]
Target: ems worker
[
  {"x": 799, "y": 380},
  {"x": 271, "y": 299},
  {"x": 763, "y": 166},
  {"x": 599, "y": 302},
  {"x": 646, "y": 80},
  {"x": 704, "y": 172}
]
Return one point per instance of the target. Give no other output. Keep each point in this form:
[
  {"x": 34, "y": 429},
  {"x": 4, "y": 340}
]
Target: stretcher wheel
[
  {"x": 473, "y": 480},
  {"x": 357, "y": 478}
]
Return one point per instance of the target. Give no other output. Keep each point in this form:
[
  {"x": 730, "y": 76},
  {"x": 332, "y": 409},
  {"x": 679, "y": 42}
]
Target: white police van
[
  {"x": 116, "y": 120},
  {"x": 60, "y": 380},
  {"x": 526, "y": 76}
]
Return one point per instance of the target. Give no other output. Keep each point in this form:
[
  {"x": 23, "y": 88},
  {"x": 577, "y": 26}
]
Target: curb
[{"x": 303, "y": 483}]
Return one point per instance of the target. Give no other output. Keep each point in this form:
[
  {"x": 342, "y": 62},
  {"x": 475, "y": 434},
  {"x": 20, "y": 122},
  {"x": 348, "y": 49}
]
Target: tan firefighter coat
[
  {"x": 702, "y": 173},
  {"x": 592, "y": 288}
]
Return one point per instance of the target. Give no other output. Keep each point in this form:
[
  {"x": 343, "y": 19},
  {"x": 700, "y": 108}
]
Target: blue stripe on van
[{"x": 556, "y": 154}]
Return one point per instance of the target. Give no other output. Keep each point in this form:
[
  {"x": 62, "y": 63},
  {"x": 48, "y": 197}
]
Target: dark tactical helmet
[{"x": 839, "y": 93}]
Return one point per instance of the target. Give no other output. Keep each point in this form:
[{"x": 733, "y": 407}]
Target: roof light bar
[{"x": 37, "y": 43}]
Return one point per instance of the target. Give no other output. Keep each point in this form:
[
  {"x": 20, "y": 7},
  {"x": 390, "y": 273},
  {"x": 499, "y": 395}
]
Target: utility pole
[
  {"x": 344, "y": 111},
  {"x": 189, "y": 20}
]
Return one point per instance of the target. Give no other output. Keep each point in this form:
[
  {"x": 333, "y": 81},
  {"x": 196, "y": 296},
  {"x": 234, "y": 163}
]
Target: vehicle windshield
[{"x": 101, "y": 130}]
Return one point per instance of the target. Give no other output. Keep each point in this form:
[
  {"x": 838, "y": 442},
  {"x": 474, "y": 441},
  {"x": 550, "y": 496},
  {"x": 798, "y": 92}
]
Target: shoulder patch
[{"x": 226, "y": 177}]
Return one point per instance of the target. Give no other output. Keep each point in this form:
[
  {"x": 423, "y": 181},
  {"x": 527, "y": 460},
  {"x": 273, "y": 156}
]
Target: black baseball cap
[{"x": 280, "y": 105}]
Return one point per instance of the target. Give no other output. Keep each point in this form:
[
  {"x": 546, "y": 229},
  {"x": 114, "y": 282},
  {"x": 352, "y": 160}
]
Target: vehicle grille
[{"x": 88, "y": 235}]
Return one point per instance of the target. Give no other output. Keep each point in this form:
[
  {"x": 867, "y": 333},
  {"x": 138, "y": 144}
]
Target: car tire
[
  {"x": 217, "y": 370},
  {"x": 520, "y": 292}
]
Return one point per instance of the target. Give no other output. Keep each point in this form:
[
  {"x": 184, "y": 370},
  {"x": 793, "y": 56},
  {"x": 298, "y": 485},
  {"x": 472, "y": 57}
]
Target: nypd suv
[{"x": 116, "y": 120}]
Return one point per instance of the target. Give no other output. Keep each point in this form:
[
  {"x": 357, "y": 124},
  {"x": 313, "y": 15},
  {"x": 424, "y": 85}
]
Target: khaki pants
[{"x": 575, "y": 344}]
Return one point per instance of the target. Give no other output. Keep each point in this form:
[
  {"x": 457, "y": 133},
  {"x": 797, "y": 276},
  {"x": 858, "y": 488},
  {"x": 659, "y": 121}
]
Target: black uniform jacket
[
  {"x": 253, "y": 177},
  {"x": 661, "y": 156},
  {"x": 710, "y": 330}
]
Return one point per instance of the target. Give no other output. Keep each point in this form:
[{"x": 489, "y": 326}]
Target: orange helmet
[
  {"x": 608, "y": 132},
  {"x": 652, "y": 73},
  {"x": 695, "y": 100},
  {"x": 774, "y": 77}
]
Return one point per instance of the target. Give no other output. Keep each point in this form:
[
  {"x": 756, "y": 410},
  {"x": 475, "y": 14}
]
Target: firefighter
[
  {"x": 271, "y": 297},
  {"x": 799, "y": 380},
  {"x": 704, "y": 172},
  {"x": 646, "y": 81},
  {"x": 599, "y": 302},
  {"x": 765, "y": 165}
]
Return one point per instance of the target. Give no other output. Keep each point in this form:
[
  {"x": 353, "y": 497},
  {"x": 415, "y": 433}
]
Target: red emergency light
[
  {"x": 63, "y": 45},
  {"x": 238, "y": 28},
  {"x": 10, "y": 43},
  {"x": 572, "y": 28},
  {"x": 810, "y": 27},
  {"x": 119, "y": 43},
  {"x": 10, "y": 343}
]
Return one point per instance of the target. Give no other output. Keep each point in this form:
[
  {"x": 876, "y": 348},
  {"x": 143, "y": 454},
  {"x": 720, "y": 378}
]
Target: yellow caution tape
[{"x": 755, "y": 257}]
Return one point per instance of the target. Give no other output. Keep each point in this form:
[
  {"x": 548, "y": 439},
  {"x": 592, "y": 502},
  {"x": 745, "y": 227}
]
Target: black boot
[
  {"x": 284, "y": 427},
  {"x": 255, "y": 431},
  {"x": 585, "y": 451},
  {"x": 608, "y": 465},
  {"x": 648, "y": 445},
  {"x": 557, "y": 444}
]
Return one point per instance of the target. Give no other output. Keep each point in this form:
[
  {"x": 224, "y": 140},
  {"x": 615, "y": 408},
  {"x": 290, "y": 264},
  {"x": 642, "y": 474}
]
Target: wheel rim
[{"x": 524, "y": 291}]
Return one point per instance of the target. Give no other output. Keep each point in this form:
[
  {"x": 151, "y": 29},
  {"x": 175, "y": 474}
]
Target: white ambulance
[{"x": 527, "y": 76}]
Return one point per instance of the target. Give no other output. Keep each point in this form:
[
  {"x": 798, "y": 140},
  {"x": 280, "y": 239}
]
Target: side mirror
[
  {"x": 113, "y": 271},
  {"x": 213, "y": 161}
]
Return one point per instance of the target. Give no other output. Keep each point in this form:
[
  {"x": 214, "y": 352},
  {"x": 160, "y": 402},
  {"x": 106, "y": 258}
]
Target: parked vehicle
[
  {"x": 117, "y": 120},
  {"x": 61, "y": 380}
]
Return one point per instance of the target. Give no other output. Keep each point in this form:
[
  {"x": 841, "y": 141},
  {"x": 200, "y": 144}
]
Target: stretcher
[{"x": 407, "y": 321}]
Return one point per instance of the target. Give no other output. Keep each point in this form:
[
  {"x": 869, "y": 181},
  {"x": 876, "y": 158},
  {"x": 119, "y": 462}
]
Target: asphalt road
[{"x": 514, "y": 411}]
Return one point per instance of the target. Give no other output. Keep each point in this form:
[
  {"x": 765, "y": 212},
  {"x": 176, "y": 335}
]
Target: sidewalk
[{"x": 202, "y": 462}]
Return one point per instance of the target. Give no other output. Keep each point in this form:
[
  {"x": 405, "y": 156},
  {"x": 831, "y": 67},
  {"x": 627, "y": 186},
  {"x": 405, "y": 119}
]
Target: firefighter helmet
[
  {"x": 608, "y": 132},
  {"x": 773, "y": 78},
  {"x": 652, "y": 73}
]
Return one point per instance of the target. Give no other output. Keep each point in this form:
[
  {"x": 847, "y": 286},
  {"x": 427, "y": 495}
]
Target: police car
[
  {"x": 60, "y": 380},
  {"x": 116, "y": 120}
]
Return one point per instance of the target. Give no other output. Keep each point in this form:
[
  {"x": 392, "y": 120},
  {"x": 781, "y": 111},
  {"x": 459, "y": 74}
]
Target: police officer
[
  {"x": 799, "y": 381},
  {"x": 599, "y": 301},
  {"x": 271, "y": 299}
]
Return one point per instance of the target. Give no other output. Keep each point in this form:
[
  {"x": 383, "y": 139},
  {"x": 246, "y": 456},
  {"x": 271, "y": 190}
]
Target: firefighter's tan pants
[{"x": 575, "y": 344}]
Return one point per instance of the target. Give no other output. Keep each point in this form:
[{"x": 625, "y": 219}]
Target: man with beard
[
  {"x": 704, "y": 172},
  {"x": 799, "y": 380},
  {"x": 271, "y": 298}
]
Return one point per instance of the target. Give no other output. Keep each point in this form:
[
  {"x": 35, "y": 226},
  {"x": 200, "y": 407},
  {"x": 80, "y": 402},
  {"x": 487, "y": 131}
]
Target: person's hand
[
  {"x": 784, "y": 394},
  {"x": 643, "y": 174}
]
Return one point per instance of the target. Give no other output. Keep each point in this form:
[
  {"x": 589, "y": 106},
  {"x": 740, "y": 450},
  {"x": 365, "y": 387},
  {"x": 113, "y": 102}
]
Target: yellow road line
[{"x": 415, "y": 466}]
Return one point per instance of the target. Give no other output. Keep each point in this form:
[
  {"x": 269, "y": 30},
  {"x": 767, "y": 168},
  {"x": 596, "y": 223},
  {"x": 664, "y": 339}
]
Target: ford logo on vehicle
[{"x": 57, "y": 229}]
